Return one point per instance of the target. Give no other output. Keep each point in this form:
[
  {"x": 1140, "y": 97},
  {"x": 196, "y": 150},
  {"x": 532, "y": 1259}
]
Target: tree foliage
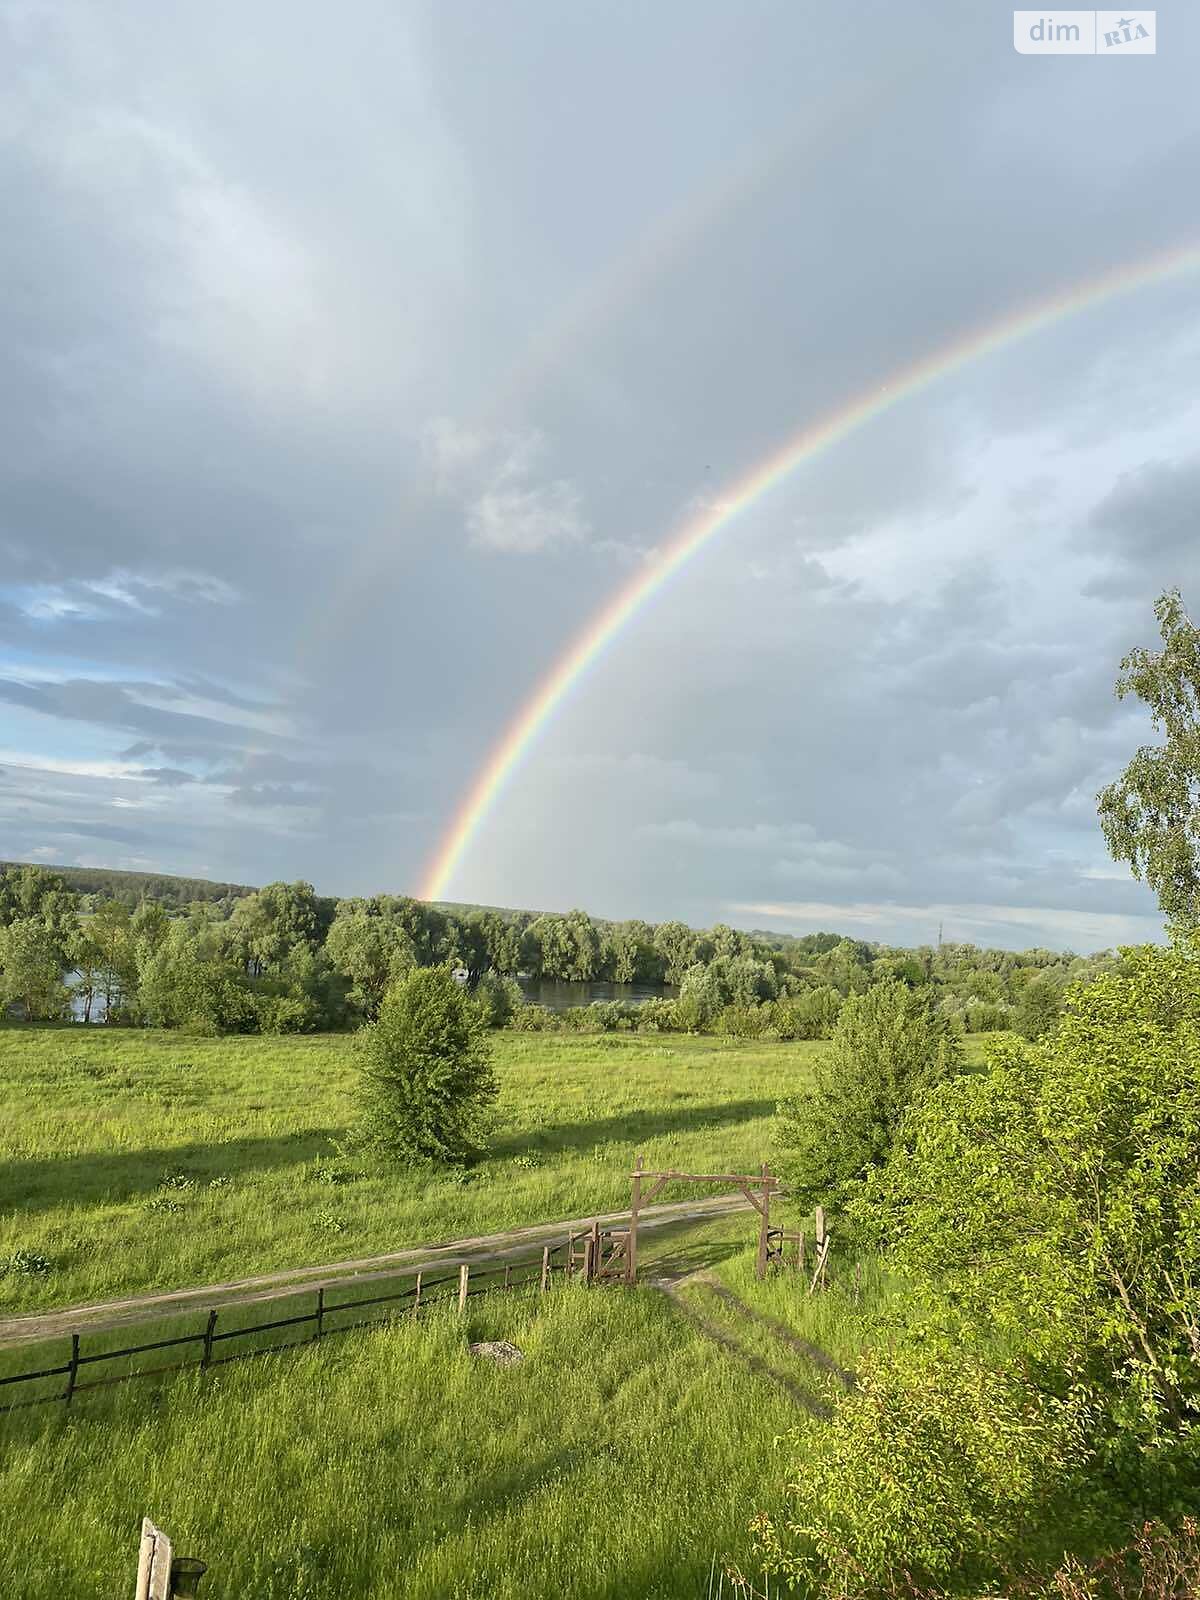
[
  {"x": 1151, "y": 814},
  {"x": 1055, "y": 1198},
  {"x": 426, "y": 1068},
  {"x": 889, "y": 1047}
]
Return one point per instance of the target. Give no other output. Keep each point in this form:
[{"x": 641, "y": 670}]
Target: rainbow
[{"x": 802, "y": 447}]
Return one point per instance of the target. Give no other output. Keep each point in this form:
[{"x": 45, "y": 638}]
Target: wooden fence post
[
  {"x": 570, "y": 1256},
  {"x": 73, "y": 1370},
  {"x": 764, "y": 1225},
  {"x": 417, "y": 1296},
  {"x": 594, "y": 1260},
  {"x": 545, "y": 1267},
  {"x": 507, "y": 1276},
  {"x": 634, "y": 1207},
  {"x": 208, "y": 1338},
  {"x": 464, "y": 1272},
  {"x": 320, "y": 1314}
]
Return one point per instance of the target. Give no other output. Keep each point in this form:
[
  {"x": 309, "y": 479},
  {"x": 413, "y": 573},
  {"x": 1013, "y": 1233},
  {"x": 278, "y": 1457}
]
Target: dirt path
[
  {"x": 500, "y": 1247},
  {"x": 673, "y": 1288}
]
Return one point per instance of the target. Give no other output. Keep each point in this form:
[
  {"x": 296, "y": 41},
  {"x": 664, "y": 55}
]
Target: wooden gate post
[
  {"x": 634, "y": 1206},
  {"x": 764, "y": 1225},
  {"x": 464, "y": 1273}
]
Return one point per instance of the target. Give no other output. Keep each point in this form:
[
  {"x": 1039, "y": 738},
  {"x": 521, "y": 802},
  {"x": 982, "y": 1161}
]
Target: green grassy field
[
  {"x": 617, "y": 1462},
  {"x": 139, "y": 1160}
]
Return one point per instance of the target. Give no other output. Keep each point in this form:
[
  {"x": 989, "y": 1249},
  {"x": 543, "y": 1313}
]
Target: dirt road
[{"x": 500, "y": 1247}]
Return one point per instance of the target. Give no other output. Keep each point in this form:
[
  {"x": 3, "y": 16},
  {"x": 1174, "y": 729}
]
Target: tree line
[{"x": 283, "y": 959}]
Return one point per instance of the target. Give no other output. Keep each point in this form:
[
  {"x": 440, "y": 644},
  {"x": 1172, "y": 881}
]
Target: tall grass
[
  {"x": 139, "y": 1160},
  {"x": 617, "y": 1460}
]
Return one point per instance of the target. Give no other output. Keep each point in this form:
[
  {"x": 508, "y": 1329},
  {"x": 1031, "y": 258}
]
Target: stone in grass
[{"x": 499, "y": 1351}]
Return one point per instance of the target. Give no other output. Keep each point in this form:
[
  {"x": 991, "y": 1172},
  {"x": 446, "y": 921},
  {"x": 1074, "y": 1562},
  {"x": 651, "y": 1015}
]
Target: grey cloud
[{"x": 220, "y": 483}]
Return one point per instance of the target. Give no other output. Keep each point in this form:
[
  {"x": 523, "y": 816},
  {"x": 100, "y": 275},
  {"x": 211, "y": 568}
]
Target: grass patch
[{"x": 132, "y": 1161}]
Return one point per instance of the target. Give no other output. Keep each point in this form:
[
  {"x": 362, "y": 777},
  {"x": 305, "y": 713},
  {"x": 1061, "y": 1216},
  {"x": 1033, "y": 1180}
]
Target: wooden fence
[{"x": 564, "y": 1261}]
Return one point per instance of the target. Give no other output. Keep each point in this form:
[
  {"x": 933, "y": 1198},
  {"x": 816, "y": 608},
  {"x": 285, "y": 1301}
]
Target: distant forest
[
  {"x": 131, "y": 888},
  {"x": 148, "y": 949}
]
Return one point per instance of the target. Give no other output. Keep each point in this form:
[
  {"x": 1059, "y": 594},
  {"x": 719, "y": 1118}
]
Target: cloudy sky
[{"x": 355, "y": 355}]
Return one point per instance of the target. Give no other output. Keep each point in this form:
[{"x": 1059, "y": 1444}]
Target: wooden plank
[
  {"x": 145, "y": 1557},
  {"x": 160, "y": 1568},
  {"x": 764, "y": 1225},
  {"x": 73, "y": 1369},
  {"x": 735, "y": 1180},
  {"x": 635, "y": 1205}
]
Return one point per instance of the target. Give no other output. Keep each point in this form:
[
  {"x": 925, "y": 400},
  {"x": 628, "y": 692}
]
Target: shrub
[
  {"x": 747, "y": 1022},
  {"x": 890, "y": 1045},
  {"x": 1037, "y": 1009},
  {"x": 534, "y": 1019},
  {"x": 930, "y": 1473},
  {"x": 498, "y": 999},
  {"x": 812, "y": 1014},
  {"x": 656, "y": 1016},
  {"x": 426, "y": 1070}
]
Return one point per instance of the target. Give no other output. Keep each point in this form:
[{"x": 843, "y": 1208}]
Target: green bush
[
  {"x": 499, "y": 999},
  {"x": 426, "y": 1071},
  {"x": 890, "y": 1046},
  {"x": 934, "y": 1471}
]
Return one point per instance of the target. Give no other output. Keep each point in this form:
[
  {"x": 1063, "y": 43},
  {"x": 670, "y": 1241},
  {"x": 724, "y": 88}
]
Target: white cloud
[
  {"x": 507, "y": 506},
  {"x": 883, "y": 920}
]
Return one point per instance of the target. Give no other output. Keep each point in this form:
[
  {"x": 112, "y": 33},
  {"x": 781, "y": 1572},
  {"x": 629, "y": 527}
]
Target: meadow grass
[
  {"x": 136, "y": 1160},
  {"x": 617, "y": 1460},
  {"x": 627, "y": 1452}
]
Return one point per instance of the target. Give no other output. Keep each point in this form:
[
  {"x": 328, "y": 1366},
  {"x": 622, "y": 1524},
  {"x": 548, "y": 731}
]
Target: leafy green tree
[
  {"x": 927, "y": 1480},
  {"x": 370, "y": 947},
  {"x": 1151, "y": 814},
  {"x": 1055, "y": 1197},
  {"x": 632, "y": 954},
  {"x": 676, "y": 945},
  {"x": 267, "y": 925},
  {"x": 1037, "y": 1009},
  {"x": 811, "y": 1014},
  {"x": 187, "y": 982},
  {"x": 108, "y": 938},
  {"x": 890, "y": 1046},
  {"x": 31, "y": 970},
  {"x": 426, "y": 1069},
  {"x": 499, "y": 998},
  {"x": 34, "y": 893}
]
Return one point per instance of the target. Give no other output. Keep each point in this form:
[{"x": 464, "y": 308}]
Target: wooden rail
[{"x": 534, "y": 1272}]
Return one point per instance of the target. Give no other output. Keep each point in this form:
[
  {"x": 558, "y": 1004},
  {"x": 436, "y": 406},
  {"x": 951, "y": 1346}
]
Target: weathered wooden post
[
  {"x": 764, "y": 1224},
  {"x": 634, "y": 1206},
  {"x": 417, "y": 1296},
  {"x": 154, "y": 1564},
  {"x": 320, "y": 1314},
  {"x": 545, "y": 1267},
  {"x": 209, "y": 1332},
  {"x": 464, "y": 1272},
  {"x": 594, "y": 1255},
  {"x": 73, "y": 1369}
]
